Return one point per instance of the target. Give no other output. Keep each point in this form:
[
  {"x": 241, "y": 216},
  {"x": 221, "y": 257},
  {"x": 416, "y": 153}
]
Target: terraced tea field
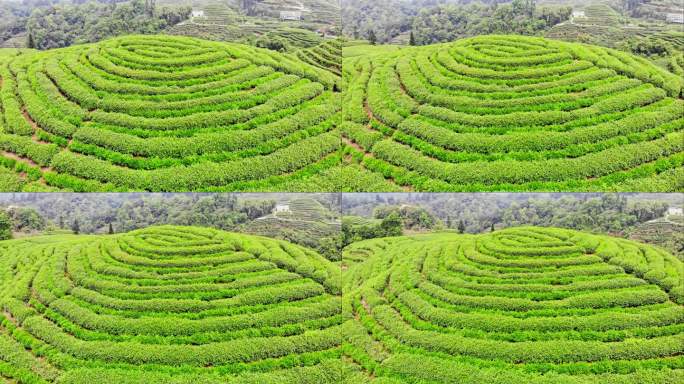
[
  {"x": 308, "y": 209},
  {"x": 168, "y": 304},
  {"x": 523, "y": 305},
  {"x": 307, "y": 222},
  {"x": 511, "y": 113},
  {"x": 294, "y": 37},
  {"x": 598, "y": 14},
  {"x": 676, "y": 61},
  {"x": 660, "y": 9},
  {"x": 326, "y": 55},
  {"x": 165, "y": 113},
  {"x": 602, "y": 25}
]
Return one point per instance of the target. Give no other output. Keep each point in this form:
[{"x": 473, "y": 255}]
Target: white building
[
  {"x": 197, "y": 13},
  {"x": 675, "y": 211},
  {"x": 577, "y": 14},
  {"x": 675, "y": 18},
  {"x": 279, "y": 208},
  {"x": 291, "y": 15}
]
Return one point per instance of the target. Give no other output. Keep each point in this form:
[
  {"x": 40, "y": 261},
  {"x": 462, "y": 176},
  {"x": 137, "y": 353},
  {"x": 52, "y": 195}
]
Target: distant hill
[
  {"x": 667, "y": 232},
  {"x": 304, "y": 221},
  {"x": 280, "y": 25}
]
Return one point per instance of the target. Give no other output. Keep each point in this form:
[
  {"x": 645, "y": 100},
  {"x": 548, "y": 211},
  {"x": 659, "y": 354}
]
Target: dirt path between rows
[
  {"x": 346, "y": 141},
  {"x": 356, "y": 146},
  {"x": 33, "y": 125}
]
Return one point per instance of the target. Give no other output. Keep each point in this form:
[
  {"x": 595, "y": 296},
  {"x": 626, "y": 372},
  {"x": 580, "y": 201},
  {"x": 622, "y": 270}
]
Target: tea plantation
[
  {"x": 522, "y": 305},
  {"x": 168, "y": 305},
  {"x": 327, "y": 55},
  {"x": 513, "y": 113},
  {"x": 167, "y": 113}
]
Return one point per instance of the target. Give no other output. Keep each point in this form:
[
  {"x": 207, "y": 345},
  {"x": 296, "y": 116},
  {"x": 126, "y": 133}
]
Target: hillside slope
[
  {"x": 259, "y": 21},
  {"x": 522, "y": 305},
  {"x": 327, "y": 55},
  {"x": 162, "y": 113},
  {"x": 306, "y": 222},
  {"x": 168, "y": 304},
  {"x": 512, "y": 113}
]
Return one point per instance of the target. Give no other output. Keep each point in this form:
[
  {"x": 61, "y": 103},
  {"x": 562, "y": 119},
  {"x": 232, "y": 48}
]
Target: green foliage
[
  {"x": 514, "y": 113},
  {"x": 421, "y": 22},
  {"x": 665, "y": 231},
  {"x": 354, "y": 230},
  {"x": 168, "y": 304},
  {"x": 461, "y": 226},
  {"x": 6, "y": 226},
  {"x": 126, "y": 213},
  {"x": 304, "y": 221},
  {"x": 272, "y": 43},
  {"x": 86, "y": 22},
  {"x": 327, "y": 55},
  {"x": 252, "y": 32},
  {"x": 526, "y": 304},
  {"x": 391, "y": 225},
  {"x": 625, "y": 27},
  {"x": 450, "y": 22},
  {"x": 412, "y": 217},
  {"x": 26, "y": 219},
  {"x": 371, "y": 37},
  {"x": 163, "y": 113}
]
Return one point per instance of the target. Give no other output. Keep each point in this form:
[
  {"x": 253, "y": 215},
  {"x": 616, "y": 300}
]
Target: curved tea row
[
  {"x": 168, "y": 304},
  {"x": 327, "y": 55},
  {"x": 515, "y": 113},
  {"x": 165, "y": 113},
  {"x": 523, "y": 305}
]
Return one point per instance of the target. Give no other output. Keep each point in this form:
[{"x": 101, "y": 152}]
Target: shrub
[
  {"x": 523, "y": 304},
  {"x": 486, "y": 106},
  {"x": 134, "y": 112},
  {"x": 190, "y": 301}
]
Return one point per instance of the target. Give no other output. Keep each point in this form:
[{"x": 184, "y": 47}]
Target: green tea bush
[
  {"x": 506, "y": 107},
  {"x": 327, "y": 55},
  {"x": 168, "y": 304},
  {"x": 153, "y": 107},
  {"x": 520, "y": 305}
]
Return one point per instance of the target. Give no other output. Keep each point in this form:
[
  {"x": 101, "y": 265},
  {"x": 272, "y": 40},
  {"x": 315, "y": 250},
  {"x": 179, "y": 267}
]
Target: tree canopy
[
  {"x": 433, "y": 21},
  {"x": 62, "y": 25}
]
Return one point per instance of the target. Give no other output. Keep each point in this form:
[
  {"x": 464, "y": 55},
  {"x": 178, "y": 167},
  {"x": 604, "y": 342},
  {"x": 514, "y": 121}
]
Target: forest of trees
[
  {"x": 606, "y": 214},
  {"x": 450, "y": 22},
  {"x": 5, "y": 226},
  {"x": 97, "y": 213},
  {"x": 60, "y": 23},
  {"x": 412, "y": 217},
  {"x": 390, "y": 225},
  {"x": 602, "y": 213},
  {"x": 64, "y": 25},
  {"x": 33, "y": 214},
  {"x": 432, "y": 21},
  {"x": 392, "y": 214},
  {"x": 20, "y": 219},
  {"x": 619, "y": 215}
]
